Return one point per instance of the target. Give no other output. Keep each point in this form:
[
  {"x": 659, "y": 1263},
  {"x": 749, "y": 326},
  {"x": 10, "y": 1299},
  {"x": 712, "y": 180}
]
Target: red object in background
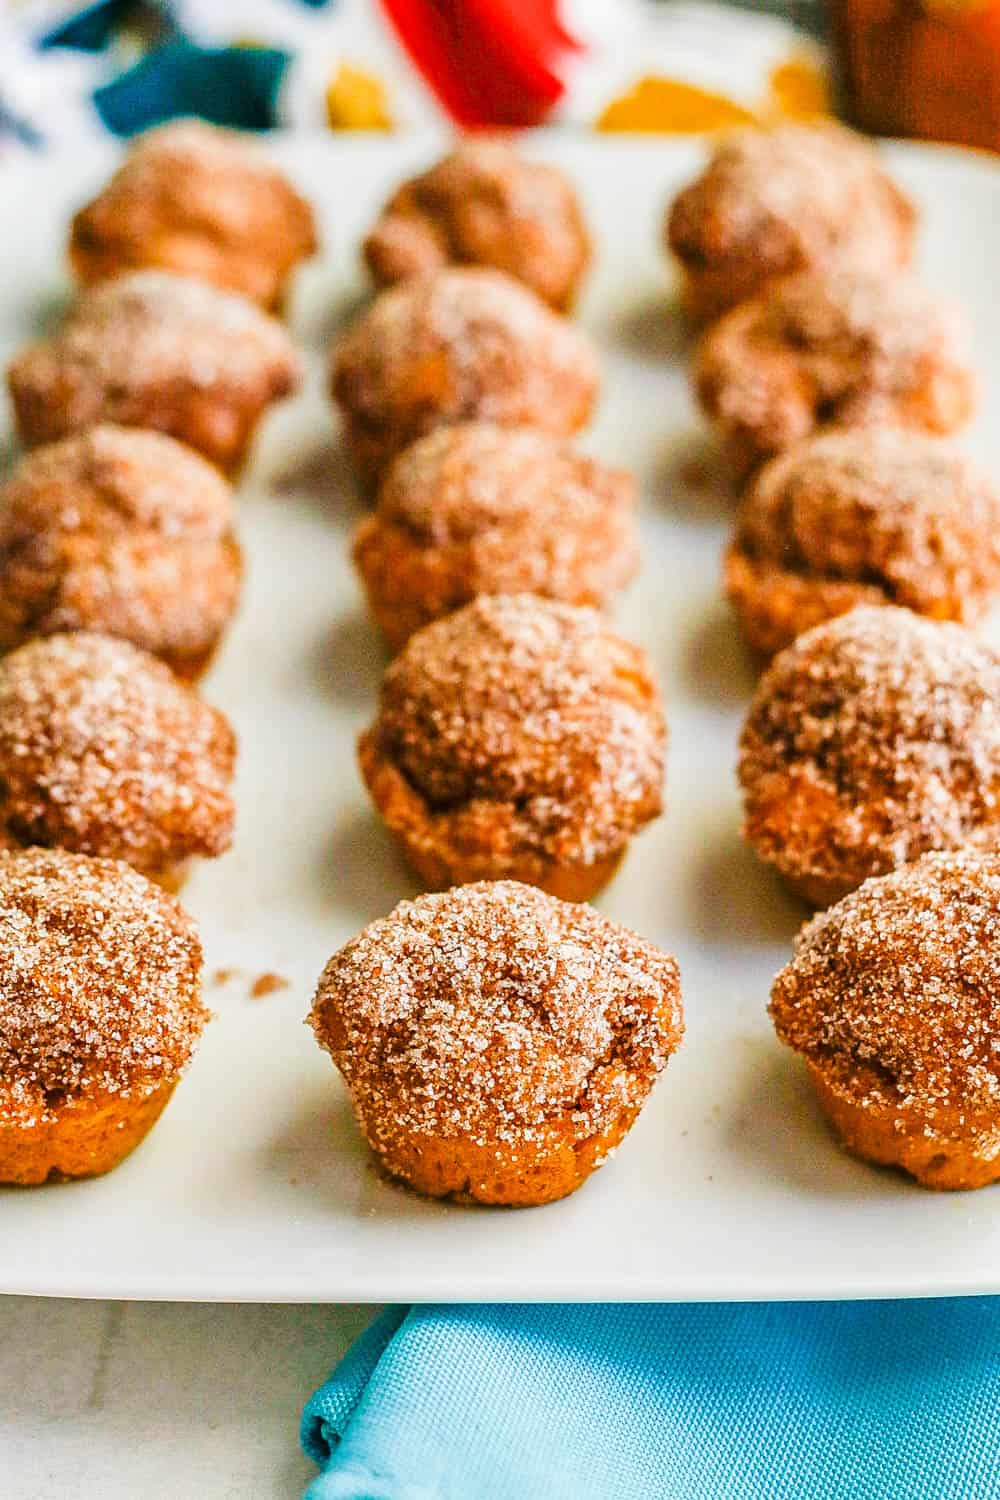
[
  {"x": 926, "y": 68},
  {"x": 490, "y": 62}
]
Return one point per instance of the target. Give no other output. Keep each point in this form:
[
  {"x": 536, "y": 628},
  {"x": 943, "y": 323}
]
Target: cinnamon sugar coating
[
  {"x": 893, "y": 998},
  {"x": 104, "y": 752},
  {"x": 484, "y": 204},
  {"x": 845, "y": 348},
  {"x": 201, "y": 202},
  {"x": 480, "y": 509},
  {"x": 460, "y": 345},
  {"x": 122, "y": 531},
  {"x": 875, "y": 738},
  {"x": 99, "y": 984},
  {"x": 497, "y": 1042},
  {"x": 863, "y": 516},
  {"x": 771, "y": 202},
  {"x": 517, "y": 738},
  {"x": 155, "y": 350}
]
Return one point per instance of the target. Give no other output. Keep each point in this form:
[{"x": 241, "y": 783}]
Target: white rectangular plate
[{"x": 255, "y": 1184}]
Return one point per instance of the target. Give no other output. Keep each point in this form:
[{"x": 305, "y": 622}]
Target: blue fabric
[
  {"x": 228, "y": 85},
  {"x": 770, "y": 1401}
]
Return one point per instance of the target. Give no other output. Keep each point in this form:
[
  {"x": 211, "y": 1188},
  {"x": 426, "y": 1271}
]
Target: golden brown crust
[
  {"x": 456, "y": 848},
  {"x": 893, "y": 999},
  {"x": 480, "y": 509},
  {"x": 202, "y": 202},
  {"x": 549, "y": 1167},
  {"x": 942, "y": 1159},
  {"x": 775, "y": 605},
  {"x": 104, "y": 752},
  {"x": 517, "y": 735},
  {"x": 871, "y": 740},
  {"x": 99, "y": 1002},
  {"x": 87, "y": 1136},
  {"x": 484, "y": 204},
  {"x": 863, "y": 516},
  {"x": 497, "y": 1043},
  {"x": 461, "y": 345},
  {"x": 772, "y": 202},
  {"x": 121, "y": 531},
  {"x": 159, "y": 351},
  {"x": 845, "y": 349}
]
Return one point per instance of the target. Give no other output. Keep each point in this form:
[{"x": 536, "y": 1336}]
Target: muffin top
[
  {"x": 493, "y": 1010},
  {"x": 896, "y": 989},
  {"x": 99, "y": 982},
  {"x": 845, "y": 347},
  {"x": 790, "y": 197},
  {"x": 103, "y": 751},
  {"x": 505, "y": 510},
  {"x": 122, "y": 530},
  {"x": 466, "y": 342},
  {"x": 890, "y": 320},
  {"x": 202, "y": 201},
  {"x": 484, "y": 204},
  {"x": 521, "y": 700},
  {"x": 866, "y": 327},
  {"x": 882, "y": 732},
  {"x": 109, "y": 478},
  {"x": 195, "y": 180},
  {"x": 890, "y": 509},
  {"x": 152, "y": 330}
]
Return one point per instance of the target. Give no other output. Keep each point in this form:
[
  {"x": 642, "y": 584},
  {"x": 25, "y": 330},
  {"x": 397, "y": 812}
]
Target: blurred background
[{"x": 928, "y": 68}]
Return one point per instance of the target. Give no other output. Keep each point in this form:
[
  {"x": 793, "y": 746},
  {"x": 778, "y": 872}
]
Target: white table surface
[{"x": 112, "y": 1401}]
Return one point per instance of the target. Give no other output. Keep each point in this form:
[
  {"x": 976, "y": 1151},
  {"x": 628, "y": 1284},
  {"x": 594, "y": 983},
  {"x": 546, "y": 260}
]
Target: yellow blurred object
[
  {"x": 356, "y": 100},
  {"x": 669, "y": 105},
  {"x": 799, "y": 89}
]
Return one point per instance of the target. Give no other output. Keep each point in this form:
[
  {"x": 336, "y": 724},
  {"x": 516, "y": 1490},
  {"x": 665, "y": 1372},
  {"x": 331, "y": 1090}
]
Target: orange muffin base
[
  {"x": 210, "y": 421},
  {"x": 87, "y": 1136},
  {"x": 507, "y": 1174},
  {"x": 577, "y": 882},
  {"x": 403, "y": 594},
  {"x": 775, "y": 605},
  {"x": 790, "y": 824},
  {"x": 192, "y": 668},
  {"x": 445, "y": 860},
  {"x": 406, "y": 590},
  {"x": 96, "y": 262},
  {"x": 819, "y": 891},
  {"x": 171, "y": 878},
  {"x": 708, "y": 292},
  {"x": 896, "y": 1138}
]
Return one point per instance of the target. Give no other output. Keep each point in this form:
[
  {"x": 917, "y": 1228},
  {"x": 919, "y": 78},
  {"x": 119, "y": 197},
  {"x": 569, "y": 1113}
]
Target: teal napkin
[
  {"x": 235, "y": 86},
  {"x": 769, "y": 1401}
]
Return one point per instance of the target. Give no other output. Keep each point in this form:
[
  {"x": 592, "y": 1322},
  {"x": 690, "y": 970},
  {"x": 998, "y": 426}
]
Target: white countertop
[{"x": 108, "y": 1401}]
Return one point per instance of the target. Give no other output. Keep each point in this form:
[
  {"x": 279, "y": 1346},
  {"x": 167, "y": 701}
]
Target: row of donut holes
[{"x": 142, "y": 354}]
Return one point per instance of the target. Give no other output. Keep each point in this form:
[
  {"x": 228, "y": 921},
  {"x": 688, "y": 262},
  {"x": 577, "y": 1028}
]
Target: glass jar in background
[{"x": 928, "y": 68}]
